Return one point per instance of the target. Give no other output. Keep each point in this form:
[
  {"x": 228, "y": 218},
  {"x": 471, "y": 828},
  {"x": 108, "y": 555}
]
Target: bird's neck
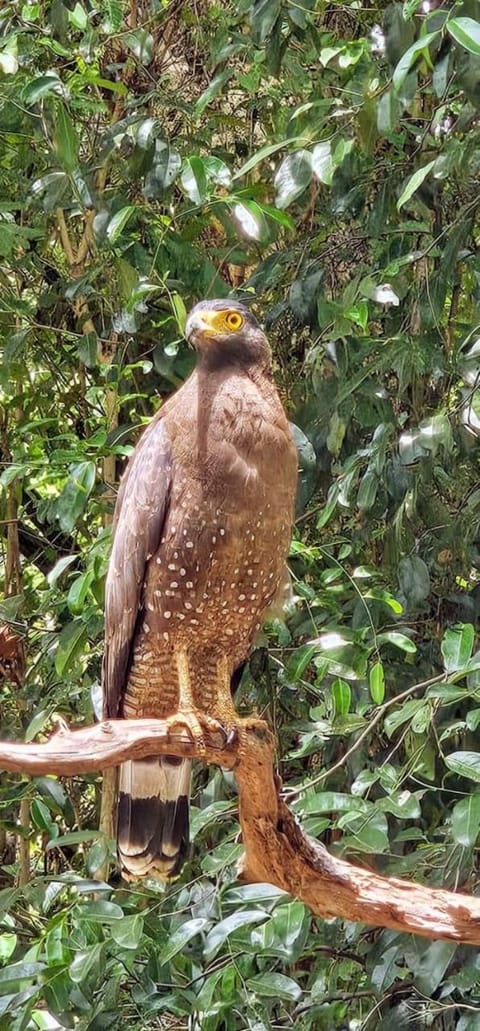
[{"x": 250, "y": 357}]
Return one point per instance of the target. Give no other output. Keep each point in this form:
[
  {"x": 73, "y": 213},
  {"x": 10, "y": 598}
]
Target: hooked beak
[{"x": 199, "y": 322}]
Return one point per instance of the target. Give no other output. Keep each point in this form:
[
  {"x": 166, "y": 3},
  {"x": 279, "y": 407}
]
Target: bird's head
[{"x": 224, "y": 332}]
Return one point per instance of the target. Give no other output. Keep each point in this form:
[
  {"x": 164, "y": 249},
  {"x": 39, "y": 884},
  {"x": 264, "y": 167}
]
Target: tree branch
[{"x": 277, "y": 851}]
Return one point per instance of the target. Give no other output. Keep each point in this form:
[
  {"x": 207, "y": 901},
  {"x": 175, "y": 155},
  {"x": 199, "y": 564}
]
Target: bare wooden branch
[{"x": 277, "y": 851}]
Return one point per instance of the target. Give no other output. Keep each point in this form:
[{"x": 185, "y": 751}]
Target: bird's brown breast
[{"x": 225, "y": 538}]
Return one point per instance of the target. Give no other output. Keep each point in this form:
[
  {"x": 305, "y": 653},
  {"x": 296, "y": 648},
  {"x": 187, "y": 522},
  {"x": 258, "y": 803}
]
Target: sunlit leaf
[
  {"x": 118, "y": 222},
  {"x": 413, "y": 184},
  {"x": 466, "y": 32},
  {"x": 276, "y": 986},
  {"x": 410, "y": 56},
  {"x": 141, "y": 44},
  {"x": 262, "y": 154},
  {"x": 322, "y": 164},
  {"x": 194, "y": 180},
  {"x": 341, "y": 696},
  {"x": 221, "y": 931},
  {"x": 457, "y": 645},
  {"x": 41, "y": 87},
  {"x": 466, "y": 820},
  {"x": 292, "y": 177},
  {"x": 377, "y": 683},
  {"x": 465, "y": 764},
  {"x": 180, "y": 938}
]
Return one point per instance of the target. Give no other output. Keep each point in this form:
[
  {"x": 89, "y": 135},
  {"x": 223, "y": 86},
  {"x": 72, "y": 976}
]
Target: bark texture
[{"x": 277, "y": 851}]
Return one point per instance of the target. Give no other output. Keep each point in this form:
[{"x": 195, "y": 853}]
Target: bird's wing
[{"x": 140, "y": 513}]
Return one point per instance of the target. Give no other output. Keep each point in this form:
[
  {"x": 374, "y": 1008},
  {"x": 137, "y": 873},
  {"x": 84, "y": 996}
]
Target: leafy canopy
[{"x": 322, "y": 159}]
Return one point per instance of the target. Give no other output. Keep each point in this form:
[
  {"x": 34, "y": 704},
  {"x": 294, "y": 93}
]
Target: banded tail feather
[{"x": 153, "y": 819}]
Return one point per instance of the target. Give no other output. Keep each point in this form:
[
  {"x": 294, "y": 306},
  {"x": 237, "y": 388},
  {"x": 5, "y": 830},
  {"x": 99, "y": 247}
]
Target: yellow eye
[{"x": 233, "y": 320}]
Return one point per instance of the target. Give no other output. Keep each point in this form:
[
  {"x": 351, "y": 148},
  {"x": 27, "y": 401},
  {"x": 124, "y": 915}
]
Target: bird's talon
[
  {"x": 192, "y": 725},
  {"x": 62, "y": 725},
  {"x": 232, "y": 737}
]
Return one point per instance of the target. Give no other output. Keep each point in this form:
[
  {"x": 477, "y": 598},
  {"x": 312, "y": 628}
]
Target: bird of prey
[{"x": 201, "y": 532}]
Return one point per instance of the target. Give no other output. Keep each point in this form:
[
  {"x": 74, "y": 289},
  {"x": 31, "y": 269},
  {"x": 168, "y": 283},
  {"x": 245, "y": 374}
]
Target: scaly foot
[{"x": 198, "y": 724}]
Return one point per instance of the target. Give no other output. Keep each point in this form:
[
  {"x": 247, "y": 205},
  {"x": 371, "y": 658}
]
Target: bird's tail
[{"x": 152, "y": 828}]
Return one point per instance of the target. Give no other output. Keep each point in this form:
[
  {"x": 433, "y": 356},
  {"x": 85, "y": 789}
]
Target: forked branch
[{"x": 277, "y": 851}]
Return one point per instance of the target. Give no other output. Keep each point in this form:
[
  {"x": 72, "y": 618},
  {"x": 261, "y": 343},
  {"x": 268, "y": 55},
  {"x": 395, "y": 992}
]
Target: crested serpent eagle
[{"x": 201, "y": 532}]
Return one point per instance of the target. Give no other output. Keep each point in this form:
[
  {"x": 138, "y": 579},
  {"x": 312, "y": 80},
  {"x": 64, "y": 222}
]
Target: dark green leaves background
[{"x": 324, "y": 161}]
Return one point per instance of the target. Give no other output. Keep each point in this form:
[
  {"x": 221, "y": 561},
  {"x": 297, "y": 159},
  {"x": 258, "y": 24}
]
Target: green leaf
[
  {"x": 79, "y": 591},
  {"x": 406, "y": 713},
  {"x": 322, "y": 163},
  {"x": 292, "y": 177},
  {"x": 78, "y": 17},
  {"x": 403, "y": 805},
  {"x": 165, "y": 167},
  {"x": 472, "y": 719},
  {"x": 281, "y": 217},
  {"x": 194, "y": 180},
  {"x": 275, "y": 986},
  {"x": 341, "y": 696},
  {"x": 65, "y": 139},
  {"x": 410, "y": 56},
  {"x": 99, "y": 912},
  {"x": 368, "y": 490},
  {"x": 263, "y": 893},
  {"x": 369, "y": 832},
  {"x": 466, "y": 32},
  {"x": 180, "y": 938},
  {"x": 457, "y": 646},
  {"x": 398, "y": 640},
  {"x": 250, "y": 220},
  {"x": 37, "y": 723},
  {"x": 70, "y": 643},
  {"x": 430, "y": 967},
  {"x": 298, "y": 662},
  {"x": 377, "y": 683},
  {"x": 284, "y": 933},
  {"x": 180, "y": 311},
  {"x": 330, "y": 507},
  {"x": 413, "y": 184},
  {"x": 12, "y": 977},
  {"x": 465, "y": 764},
  {"x": 41, "y": 816},
  {"x": 264, "y": 14},
  {"x": 88, "y": 964},
  {"x": 212, "y": 91},
  {"x": 72, "y": 501},
  {"x": 221, "y": 931},
  {"x": 118, "y": 222},
  {"x": 8, "y": 944},
  {"x": 414, "y": 580},
  {"x": 53, "y": 793},
  {"x": 127, "y": 932},
  {"x": 466, "y": 821},
  {"x": 42, "y": 87},
  {"x": 264, "y": 152},
  {"x": 217, "y": 171},
  {"x": 74, "y": 838},
  {"x": 88, "y": 349},
  {"x": 141, "y": 44},
  {"x": 331, "y": 802}
]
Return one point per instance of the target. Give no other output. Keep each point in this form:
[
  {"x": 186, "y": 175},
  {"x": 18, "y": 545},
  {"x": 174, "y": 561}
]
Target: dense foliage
[{"x": 324, "y": 160}]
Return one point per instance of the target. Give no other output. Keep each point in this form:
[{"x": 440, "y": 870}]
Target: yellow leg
[
  {"x": 185, "y": 696},
  {"x": 223, "y": 707},
  {"x": 188, "y": 714}
]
